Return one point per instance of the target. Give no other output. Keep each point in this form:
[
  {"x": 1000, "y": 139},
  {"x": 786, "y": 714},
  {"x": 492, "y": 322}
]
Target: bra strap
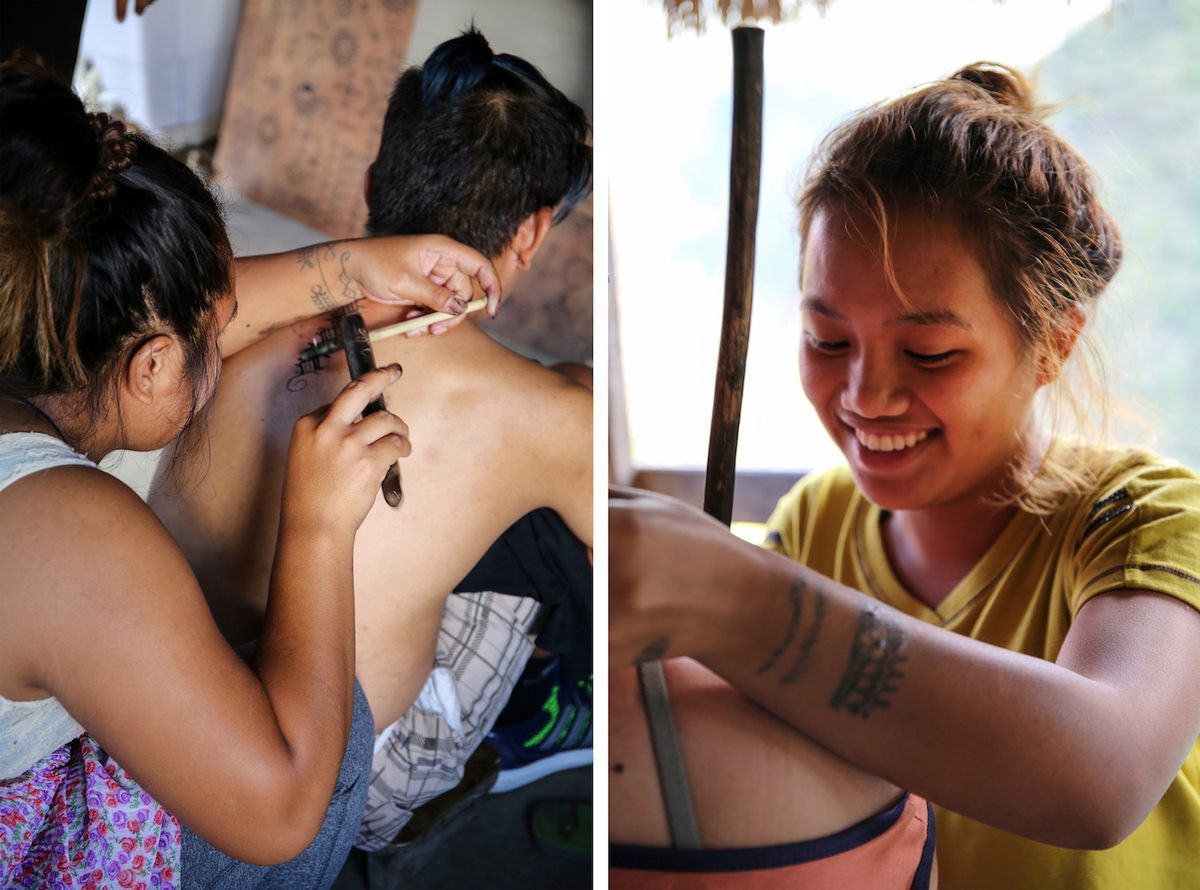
[{"x": 668, "y": 756}]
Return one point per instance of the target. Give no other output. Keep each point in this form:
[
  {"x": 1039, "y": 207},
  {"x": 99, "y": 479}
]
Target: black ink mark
[
  {"x": 875, "y": 659},
  {"x": 312, "y": 358},
  {"x": 618, "y": 767},
  {"x": 305, "y": 256},
  {"x": 796, "y": 603},
  {"x": 654, "y": 651},
  {"x": 810, "y": 639}
]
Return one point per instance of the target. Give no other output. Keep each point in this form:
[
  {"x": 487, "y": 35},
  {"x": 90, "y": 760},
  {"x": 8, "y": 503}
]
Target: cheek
[
  {"x": 983, "y": 410},
  {"x": 817, "y": 380},
  {"x": 817, "y": 373}
]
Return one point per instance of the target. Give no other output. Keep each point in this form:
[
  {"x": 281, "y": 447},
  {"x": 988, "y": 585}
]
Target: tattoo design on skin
[
  {"x": 796, "y": 600},
  {"x": 321, "y": 298},
  {"x": 316, "y": 352},
  {"x": 810, "y": 639},
  {"x": 655, "y": 651},
  {"x": 796, "y": 603},
  {"x": 349, "y": 291},
  {"x": 322, "y": 295},
  {"x": 875, "y": 658}
]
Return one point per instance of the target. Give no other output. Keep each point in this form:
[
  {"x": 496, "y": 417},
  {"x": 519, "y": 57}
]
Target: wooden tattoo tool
[
  {"x": 360, "y": 358},
  {"x": 330, "y": 340},
  {"x": 745, "y": 164}
]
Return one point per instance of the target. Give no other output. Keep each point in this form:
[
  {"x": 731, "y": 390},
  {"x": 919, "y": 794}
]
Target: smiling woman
[
  {"x": 976, "y": 609},
  {"x": 913, "y": 378}
]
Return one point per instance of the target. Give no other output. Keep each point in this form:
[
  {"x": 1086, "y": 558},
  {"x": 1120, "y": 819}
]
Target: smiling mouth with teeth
[{"x": 889, "y": 441}]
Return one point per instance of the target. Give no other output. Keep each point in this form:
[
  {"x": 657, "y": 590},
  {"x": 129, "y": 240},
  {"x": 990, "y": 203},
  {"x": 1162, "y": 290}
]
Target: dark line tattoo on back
[
  {"x": 875, "y": 658},
  {"x": 656, "y": 650}
]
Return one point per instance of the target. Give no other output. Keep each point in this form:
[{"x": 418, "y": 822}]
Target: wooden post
[{"x": 744, "y": 169}]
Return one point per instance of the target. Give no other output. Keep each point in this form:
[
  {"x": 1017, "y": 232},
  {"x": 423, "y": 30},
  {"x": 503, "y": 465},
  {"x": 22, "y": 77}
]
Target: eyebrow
[{"x": 925, "y": 317}]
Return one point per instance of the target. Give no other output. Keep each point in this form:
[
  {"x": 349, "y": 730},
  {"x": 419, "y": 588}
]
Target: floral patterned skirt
[{"x": 76, "y": 819}]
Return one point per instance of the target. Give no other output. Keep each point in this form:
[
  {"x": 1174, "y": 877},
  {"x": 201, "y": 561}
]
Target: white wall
[{"x": 554, "y": 35}]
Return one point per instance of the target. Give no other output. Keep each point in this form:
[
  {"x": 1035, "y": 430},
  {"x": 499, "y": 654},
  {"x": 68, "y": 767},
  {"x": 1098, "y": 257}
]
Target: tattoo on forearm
[
  {"x": 796, "y": 605},
  {"x": 321, "y": 293},
  {"x": 798, "y": 594},
  {"x": 349, "y": 291},
  {"x": 656, "y": 650},
  {"x": 810, "y": 639},
  {"x": 321, "y": 298},
  {"x": 875, "y": 658}
]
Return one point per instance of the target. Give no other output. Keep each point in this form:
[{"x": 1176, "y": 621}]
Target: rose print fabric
[{"x": 77, "y": 820}]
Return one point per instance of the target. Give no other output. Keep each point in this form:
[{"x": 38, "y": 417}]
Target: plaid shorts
[{"x": 483, "y": 643}]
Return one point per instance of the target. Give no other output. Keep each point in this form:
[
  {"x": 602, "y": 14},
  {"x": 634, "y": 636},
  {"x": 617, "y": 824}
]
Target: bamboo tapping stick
[{"x": 744, "y": 174}]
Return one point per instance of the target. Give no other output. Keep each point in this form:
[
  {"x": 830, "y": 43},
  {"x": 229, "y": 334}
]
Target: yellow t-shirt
[{"x": 1139, "y": 529}]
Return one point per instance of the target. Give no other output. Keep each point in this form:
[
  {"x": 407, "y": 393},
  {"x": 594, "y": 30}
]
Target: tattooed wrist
[
  {"x": 876, "y": 654},
  {"x": 324, "y": 259}
]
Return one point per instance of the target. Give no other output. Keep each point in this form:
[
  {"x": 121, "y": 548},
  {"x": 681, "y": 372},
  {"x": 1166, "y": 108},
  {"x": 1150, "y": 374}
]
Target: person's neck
[
  {"x": 932, "y": 550},
  {"x": 60, "y": 416}
]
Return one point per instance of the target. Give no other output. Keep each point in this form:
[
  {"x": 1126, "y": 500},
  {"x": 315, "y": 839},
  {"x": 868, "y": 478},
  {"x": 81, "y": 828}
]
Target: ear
[
  {"x": 530, "y": 235},
  {"x": 1062, "y": 345},
  {"x": 153, "y": 369},
  {"x": 368, "y": 179}
]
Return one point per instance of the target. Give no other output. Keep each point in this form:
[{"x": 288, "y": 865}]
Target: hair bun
[
  {"x": 117, "y": 149},
  {"x": 1005, "y": 85},
  {"x": 454, "y": 68}
]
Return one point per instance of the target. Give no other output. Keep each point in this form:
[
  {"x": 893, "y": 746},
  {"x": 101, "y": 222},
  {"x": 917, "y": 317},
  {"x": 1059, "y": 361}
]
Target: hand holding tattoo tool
[
  {"x": 361, "y": 360},
  {"x": 331, "y": 340}
]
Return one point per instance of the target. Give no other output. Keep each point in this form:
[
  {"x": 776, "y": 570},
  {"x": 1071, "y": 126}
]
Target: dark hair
[
  {"x": 105, "y": 241},
  {"x": 472, "y": 144},
  {"x": 975, "y": 146}
]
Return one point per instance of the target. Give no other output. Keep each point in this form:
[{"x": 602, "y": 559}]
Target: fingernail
[
  {"x": 396, "y": 368},
  {"x": 416, "y": 333},
  {"x": 439, "y": 329},
  {"x": 457, "y": 306}
]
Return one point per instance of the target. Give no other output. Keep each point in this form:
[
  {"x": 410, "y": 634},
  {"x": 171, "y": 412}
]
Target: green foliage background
[{"x": 1129, "y": 84}]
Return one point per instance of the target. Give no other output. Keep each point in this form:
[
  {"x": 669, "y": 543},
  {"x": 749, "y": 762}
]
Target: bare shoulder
[{"x": 80, "y": 552}]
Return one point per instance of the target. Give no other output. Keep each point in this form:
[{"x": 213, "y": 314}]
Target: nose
[{"x": 874, "y": 389}]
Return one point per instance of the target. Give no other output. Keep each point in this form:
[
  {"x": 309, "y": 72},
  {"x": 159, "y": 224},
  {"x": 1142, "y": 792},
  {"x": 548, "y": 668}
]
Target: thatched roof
[{"x": 694, "y": 15}]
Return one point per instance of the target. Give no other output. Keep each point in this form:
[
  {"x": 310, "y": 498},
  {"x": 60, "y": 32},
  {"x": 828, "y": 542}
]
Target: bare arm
[
  {"x": 1074, "y": 753},
  {"x": 562, "y": 456},
  {"x": 121, "y": 635},
  {"x": 280, "y": 289}
]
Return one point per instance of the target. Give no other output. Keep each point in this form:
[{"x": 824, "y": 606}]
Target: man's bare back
[{"x": 494, "y": 436}]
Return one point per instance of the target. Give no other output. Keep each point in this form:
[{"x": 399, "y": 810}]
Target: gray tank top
[{"x": 31, "y": 730}]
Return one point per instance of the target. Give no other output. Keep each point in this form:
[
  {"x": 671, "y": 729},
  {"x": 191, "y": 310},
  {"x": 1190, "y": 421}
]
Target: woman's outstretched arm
[
  {"x": 1073, "y": 753},
  {"x": 277, "y": 290}
]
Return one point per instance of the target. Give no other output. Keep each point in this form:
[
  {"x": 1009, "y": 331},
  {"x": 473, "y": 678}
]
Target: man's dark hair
[{"x": 472, "y": 144}]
